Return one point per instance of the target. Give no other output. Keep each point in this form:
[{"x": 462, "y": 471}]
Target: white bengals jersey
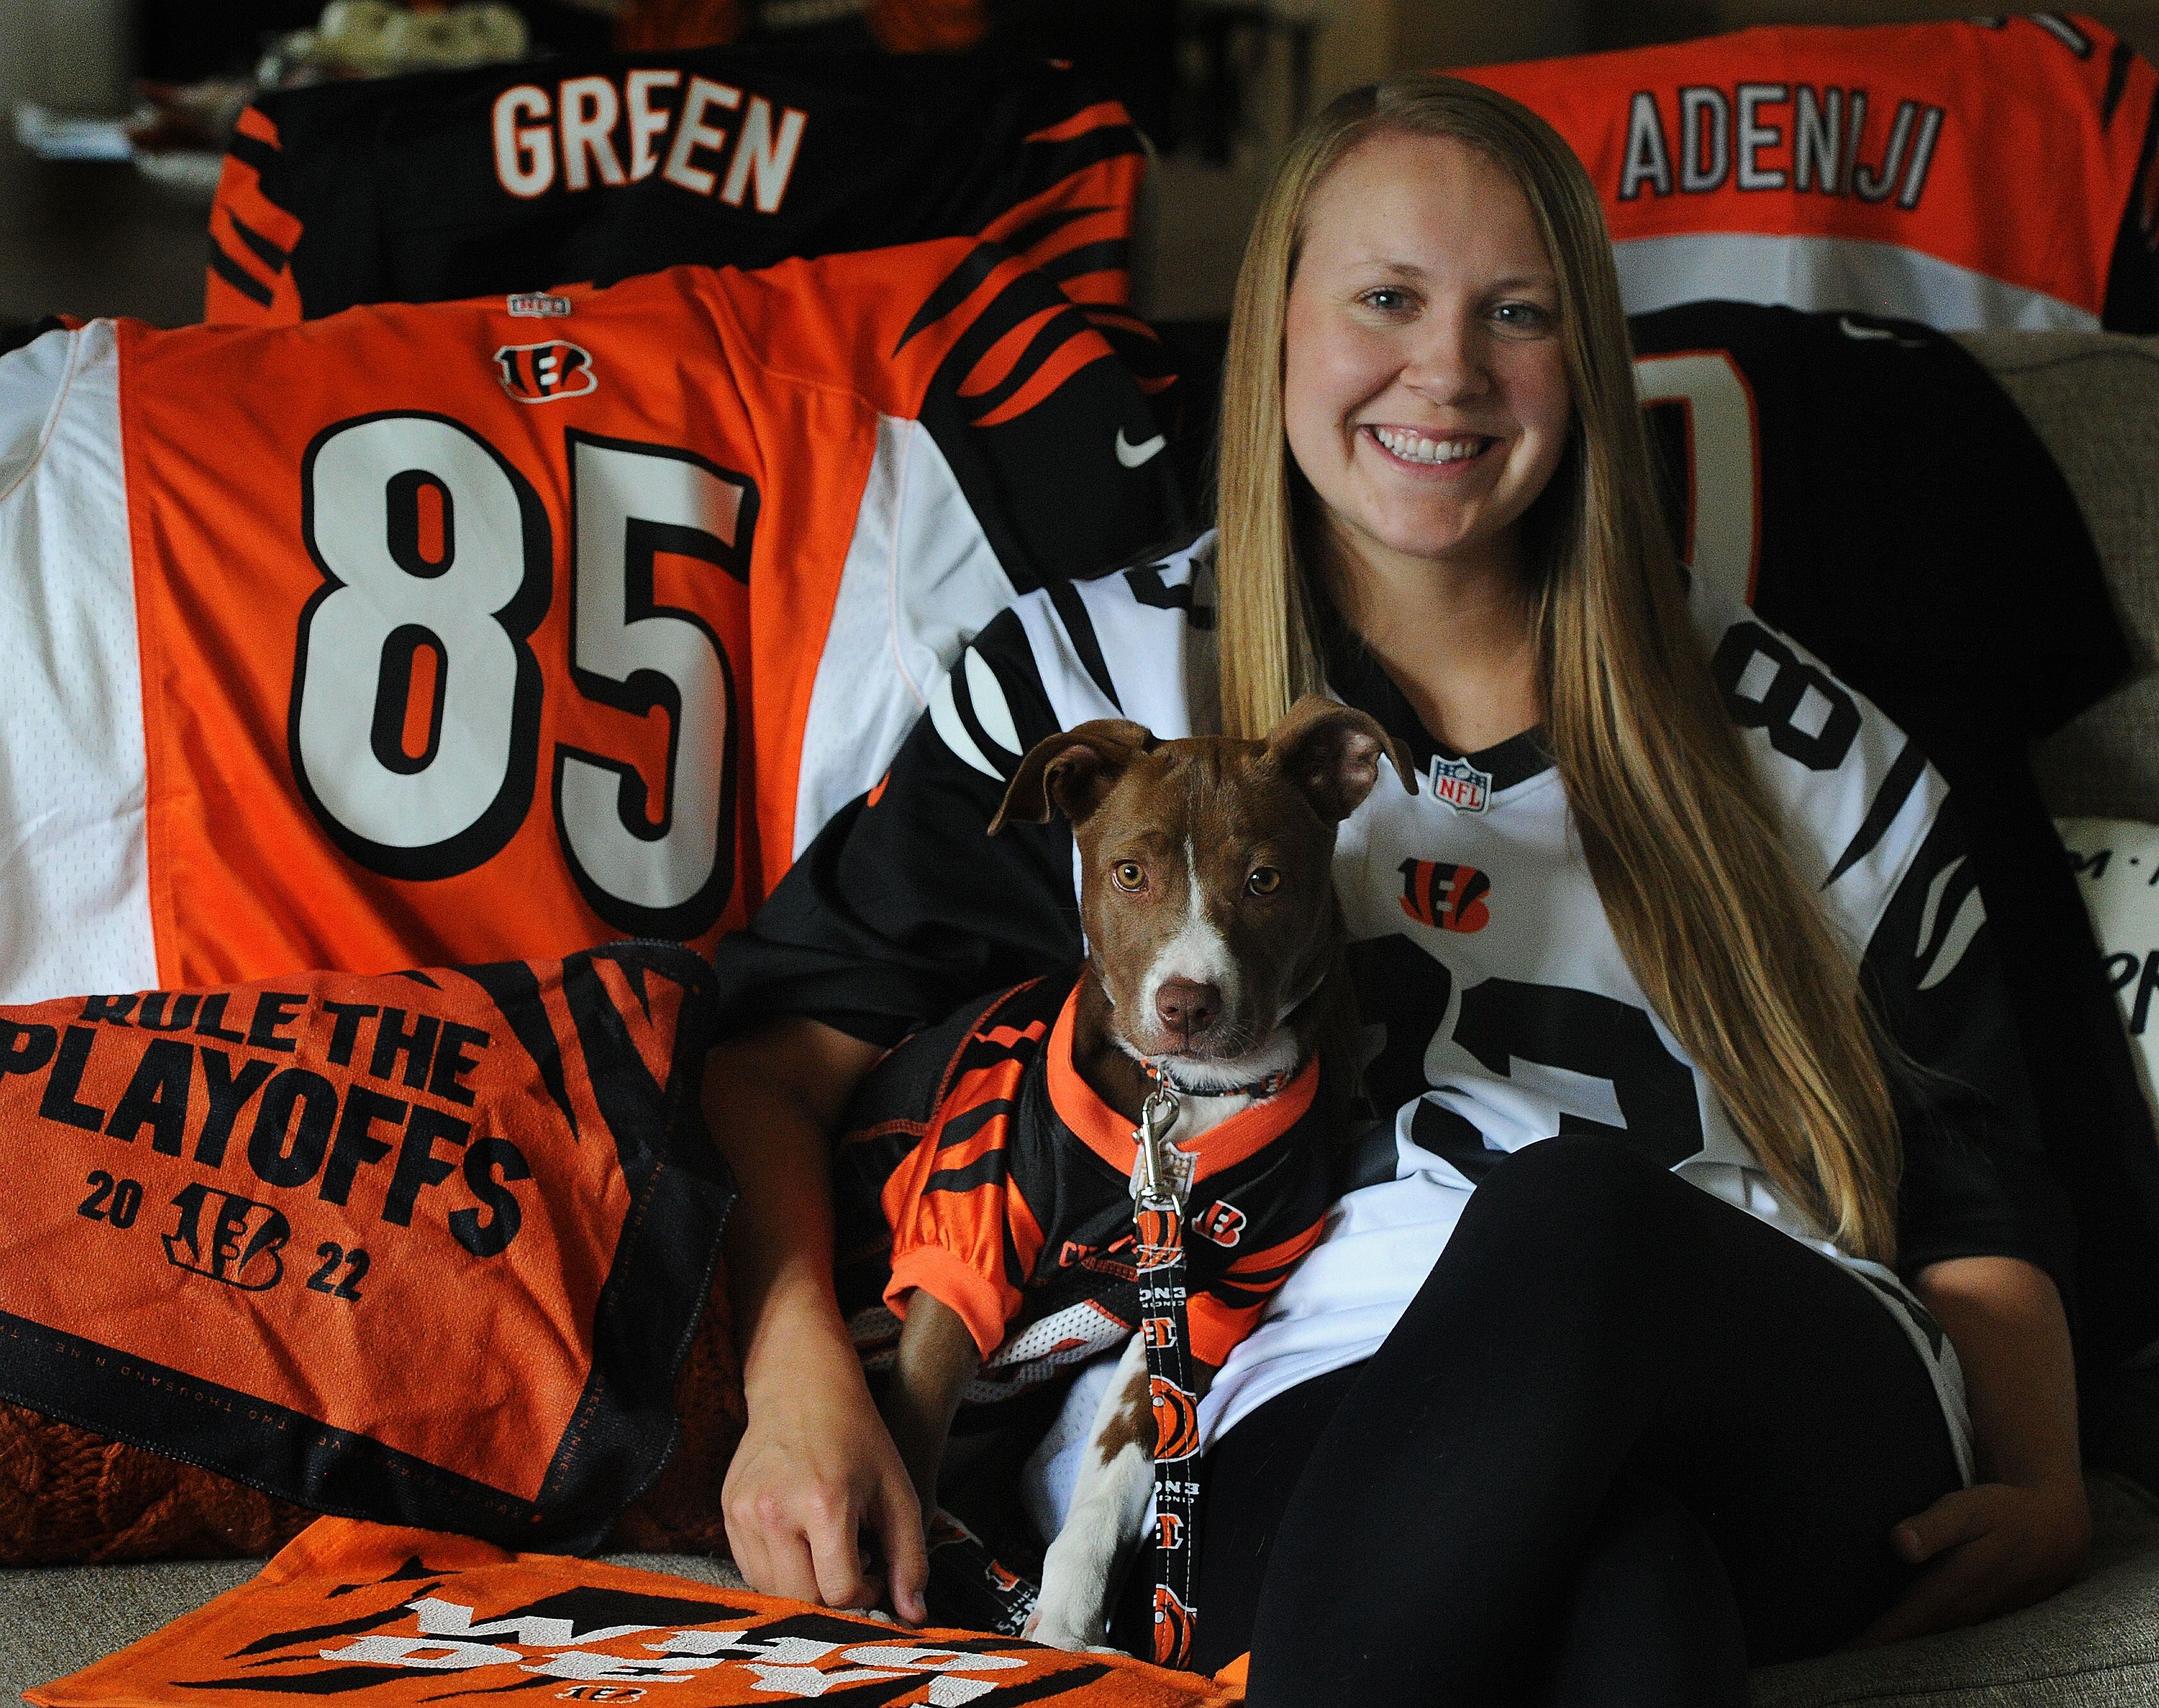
[{"x": 1499, "y": 1008}]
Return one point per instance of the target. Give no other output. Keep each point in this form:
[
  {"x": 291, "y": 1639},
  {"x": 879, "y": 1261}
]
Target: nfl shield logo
[
  {"x": 538, "y": 305},
  {"x": 1460, "y": 784},
  {"x": 541, "y": 373}
]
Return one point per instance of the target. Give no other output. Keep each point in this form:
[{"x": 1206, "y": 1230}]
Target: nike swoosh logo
[
  {"x": 1133, "y": 456},
  {"x": 1851, "y": 328}
]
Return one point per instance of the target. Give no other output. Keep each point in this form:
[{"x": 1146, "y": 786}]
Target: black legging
[{"x": 1626, "y": 1441}]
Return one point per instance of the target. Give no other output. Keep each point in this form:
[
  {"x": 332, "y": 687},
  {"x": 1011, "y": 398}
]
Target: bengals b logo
[
  {"x": 1172, "y": 1627},
  {"x": 541, "y": 373},
  {"x": 1176, "y": 1420},
  {"x": 1222, "y": 1222},
  {"x": 1450, "y": 896}
]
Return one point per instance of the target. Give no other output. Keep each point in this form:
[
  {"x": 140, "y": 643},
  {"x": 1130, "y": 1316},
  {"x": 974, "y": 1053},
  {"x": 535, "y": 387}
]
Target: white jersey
[{"x": 1499, "y": 1008}]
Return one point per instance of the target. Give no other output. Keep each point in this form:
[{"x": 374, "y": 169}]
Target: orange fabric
[
  {"x": 1216, "y": 1325},
  {"x": 68, "y": 1496},
  {"x": 956, "y": 1246},
  {"x": 285, "y": 1230},
  {"x": 649, "y": 26},
  {"x": 270, "y": 297},
  {"x": 928, "y": 26},
  {"x": 737, "y": 374},
  {"x": 400, "y": 1617},
  {"x": 957, "y": 1283},
  {"x": 2016, "y": 109}
]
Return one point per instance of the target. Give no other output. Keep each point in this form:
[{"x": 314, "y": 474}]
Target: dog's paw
[
  {"x": 1054, "y": 1635},
  {"x": 1066, "y": 1622}
]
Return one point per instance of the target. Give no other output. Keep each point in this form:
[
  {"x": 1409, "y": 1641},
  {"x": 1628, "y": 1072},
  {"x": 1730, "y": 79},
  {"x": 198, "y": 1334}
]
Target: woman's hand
[
  {"x": 1989, "y": 1550},
  {"x": 816, "y": 1470},
  {"x": 816, "y": 1466},
  {"x": 2021, "y": 1532}
]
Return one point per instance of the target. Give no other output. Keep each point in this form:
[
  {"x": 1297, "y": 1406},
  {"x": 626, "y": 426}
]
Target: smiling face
[{"x": 1425, "y": 391}]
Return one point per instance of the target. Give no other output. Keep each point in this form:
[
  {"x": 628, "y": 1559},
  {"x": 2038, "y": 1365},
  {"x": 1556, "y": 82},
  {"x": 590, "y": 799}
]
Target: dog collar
[{"x": 1265, "y": 1087}]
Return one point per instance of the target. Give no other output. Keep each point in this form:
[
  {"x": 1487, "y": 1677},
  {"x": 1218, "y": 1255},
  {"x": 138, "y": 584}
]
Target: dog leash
[{"x": 1158, "y": 1221}]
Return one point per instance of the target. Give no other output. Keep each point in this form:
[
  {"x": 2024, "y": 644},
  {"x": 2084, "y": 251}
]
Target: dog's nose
[{"x": 1187, "y": 1006}]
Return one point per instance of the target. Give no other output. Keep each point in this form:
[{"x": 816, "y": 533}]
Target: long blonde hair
[{"x": 1687, "y": 853}]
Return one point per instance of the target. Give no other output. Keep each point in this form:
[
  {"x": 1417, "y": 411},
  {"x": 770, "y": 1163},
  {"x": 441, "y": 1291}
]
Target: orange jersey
[
  {"x": 424, "y": 1246},
  {"x": 1996, "y": 172},
  {"x": 426, "y": 634},
  {"x": 404, "y": 1618}
]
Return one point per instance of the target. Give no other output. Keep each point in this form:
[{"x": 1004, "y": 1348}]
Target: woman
[{"x": 1602, "y": 1384}]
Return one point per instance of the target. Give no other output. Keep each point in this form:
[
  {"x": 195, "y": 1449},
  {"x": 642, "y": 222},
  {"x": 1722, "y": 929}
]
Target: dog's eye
[
  {"x": 1264, "y": 881},
  {"x": 1128, "y": 875}
]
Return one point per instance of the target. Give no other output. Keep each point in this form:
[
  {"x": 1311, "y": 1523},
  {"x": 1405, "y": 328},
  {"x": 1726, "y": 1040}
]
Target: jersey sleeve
[
  {"x": 963, "y": 1233},
  {"x": 1975, "y": 1180},
  {"x": 904, "y": 906},
  {"x": 1231, "y": 1309},
  {"x": 252, "y": 235}
]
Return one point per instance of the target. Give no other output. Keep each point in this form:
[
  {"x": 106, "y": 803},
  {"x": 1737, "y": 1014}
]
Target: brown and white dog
[{"x": 1215, "y": 961}]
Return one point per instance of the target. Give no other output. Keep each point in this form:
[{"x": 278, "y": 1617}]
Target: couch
[{"x": 2093, "y": 399}]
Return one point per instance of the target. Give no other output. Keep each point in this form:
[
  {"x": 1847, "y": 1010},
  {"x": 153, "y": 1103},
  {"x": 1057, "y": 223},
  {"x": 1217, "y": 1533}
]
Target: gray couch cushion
[
  {"x": 2093, "y": 398},
  {"x": 2095, "y": 1645}
]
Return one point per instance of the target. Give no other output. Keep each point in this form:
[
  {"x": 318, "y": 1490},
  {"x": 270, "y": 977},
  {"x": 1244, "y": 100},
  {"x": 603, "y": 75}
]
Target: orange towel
[{"x": 395, "y": 1617}]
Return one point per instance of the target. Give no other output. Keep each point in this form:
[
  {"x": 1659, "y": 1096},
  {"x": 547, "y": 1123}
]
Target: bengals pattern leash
[{"x": 1158, "y": 1219}]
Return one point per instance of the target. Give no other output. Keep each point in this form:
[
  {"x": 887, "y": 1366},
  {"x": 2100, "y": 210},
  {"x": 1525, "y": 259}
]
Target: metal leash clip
[{"x": 1157, "y": 1115}]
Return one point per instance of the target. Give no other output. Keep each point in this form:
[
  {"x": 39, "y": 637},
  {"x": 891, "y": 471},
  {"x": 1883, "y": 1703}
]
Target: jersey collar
[
  {"x": 1360, "y": 679},
  {"x": 1109, "y": 1135}
]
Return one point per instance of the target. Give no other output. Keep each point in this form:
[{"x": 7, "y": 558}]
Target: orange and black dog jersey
[{"x": 977, "y": 1165}]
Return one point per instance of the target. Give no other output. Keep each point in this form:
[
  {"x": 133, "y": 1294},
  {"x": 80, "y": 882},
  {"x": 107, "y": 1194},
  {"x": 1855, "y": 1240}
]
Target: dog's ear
[
  {"x": 1072, "y": 770},
  {"x": 1331, "y": 754}
]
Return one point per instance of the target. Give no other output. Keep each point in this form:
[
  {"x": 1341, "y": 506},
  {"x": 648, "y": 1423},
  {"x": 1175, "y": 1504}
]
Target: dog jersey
[
  {"x": 1995, "y": 172},
  {"x": 442, "y": 633},
  {"x": 1499, "y": 1008},
  {"x": 524, "y": 176},
  {"x": 978, "y": 1165}
]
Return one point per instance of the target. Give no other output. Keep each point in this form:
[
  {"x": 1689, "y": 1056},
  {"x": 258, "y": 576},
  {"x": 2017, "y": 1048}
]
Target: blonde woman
[{"x": 1698, "y": 1116}]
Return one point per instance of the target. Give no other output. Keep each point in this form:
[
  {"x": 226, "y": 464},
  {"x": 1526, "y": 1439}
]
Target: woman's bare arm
[
  {"x": 2021, "y": 1532},
  {"x": 816, "y": 1466}
]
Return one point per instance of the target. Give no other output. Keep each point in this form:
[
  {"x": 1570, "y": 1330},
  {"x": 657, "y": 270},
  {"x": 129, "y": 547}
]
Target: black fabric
[
  {"x": 1727, "y": 1426},
  {"x": 394, "y": 180},
  {"x": 2132, "y": 278},
  {"x": 1975, "y": 1180},
  {"x": 1913, "y": 531},
  {"x": 902, "y": 908}
]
